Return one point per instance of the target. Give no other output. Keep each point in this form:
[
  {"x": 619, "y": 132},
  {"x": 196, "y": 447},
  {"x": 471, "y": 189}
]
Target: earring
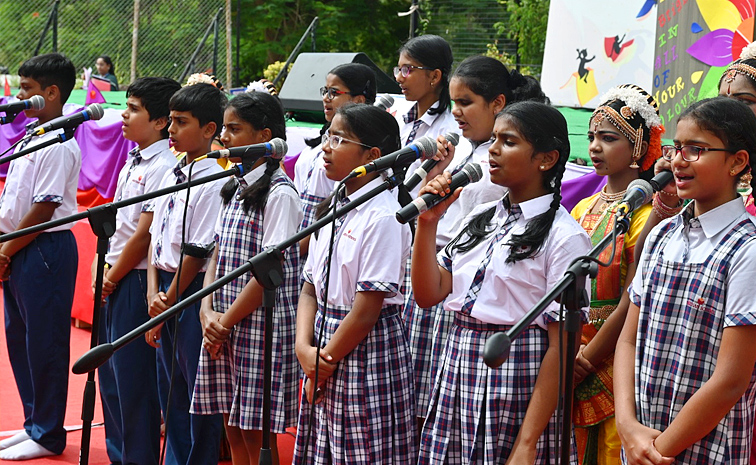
[{"x": 542, "y": 167}]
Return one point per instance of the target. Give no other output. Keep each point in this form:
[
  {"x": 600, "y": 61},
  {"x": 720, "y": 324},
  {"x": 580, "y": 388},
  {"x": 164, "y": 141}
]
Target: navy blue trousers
[
  {"x": 38, "y": 299},
  {"x": 192, "y": 439},
  {"x": 128, "y": 383}
]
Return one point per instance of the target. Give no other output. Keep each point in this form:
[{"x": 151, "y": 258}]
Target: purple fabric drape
[
  {"x": 575, "y": 190},
  {"x": 103, "y": 148}
]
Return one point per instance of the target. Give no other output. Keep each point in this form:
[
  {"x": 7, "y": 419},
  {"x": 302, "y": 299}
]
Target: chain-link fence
[
  {"x": 142, "y": 37},
  {"x": 468, "y": 25}
]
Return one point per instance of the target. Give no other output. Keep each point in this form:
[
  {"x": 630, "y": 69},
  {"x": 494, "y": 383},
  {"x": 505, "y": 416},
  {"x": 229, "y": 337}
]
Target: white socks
[
  {"x": 13, "y": 440},
  {"x": 25, "y": 450}
]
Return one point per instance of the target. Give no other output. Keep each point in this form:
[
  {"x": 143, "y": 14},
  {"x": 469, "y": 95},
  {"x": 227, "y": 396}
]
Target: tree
[{"x": 527, "y": 26}]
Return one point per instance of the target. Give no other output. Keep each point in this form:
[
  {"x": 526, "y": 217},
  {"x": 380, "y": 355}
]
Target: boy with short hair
[
  {"x": 40, "y": 269},
  {"x": 128, "y": 382},
  {"x": 196, "y": 119}
]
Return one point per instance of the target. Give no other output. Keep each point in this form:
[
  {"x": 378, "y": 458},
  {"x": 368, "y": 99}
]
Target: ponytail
[{"x": 433, "y": 52}]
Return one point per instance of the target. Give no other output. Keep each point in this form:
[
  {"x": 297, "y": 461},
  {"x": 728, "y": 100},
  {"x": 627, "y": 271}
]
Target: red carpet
[{"x": 11, "y": 413}]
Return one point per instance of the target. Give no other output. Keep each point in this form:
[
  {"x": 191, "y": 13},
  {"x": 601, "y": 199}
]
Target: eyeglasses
[
  {"x": 332, "y": 92},
  {"x": 405, "y": 70},
  {"x": 334, "y": 141},
  {"x": 690, "y": 153}
]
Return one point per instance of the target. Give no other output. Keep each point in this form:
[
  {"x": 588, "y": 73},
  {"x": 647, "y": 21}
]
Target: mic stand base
[{"x": 102, "y": 220}]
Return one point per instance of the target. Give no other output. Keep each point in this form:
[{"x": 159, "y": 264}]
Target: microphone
[
  {"x": 92, "y": 112},
  {"x": 471, "y": 172},
  {"x": 661, "y": 180},
  {"x": 639, "y": 192},
  {"x": 36, "y": 102},
  {"x": 422, "y": 172},
  {"x": 384, "y": 102},
  {"x": 275, "y": 148},
  {"x": 423, "y": 147}
]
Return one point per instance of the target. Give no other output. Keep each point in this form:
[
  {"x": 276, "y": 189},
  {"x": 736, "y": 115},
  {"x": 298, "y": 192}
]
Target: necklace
[{"x": 609, "y": 199}]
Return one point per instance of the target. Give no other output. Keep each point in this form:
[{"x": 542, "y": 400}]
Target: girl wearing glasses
[
  {"x": 625, "y": 141},
  {"x": 259, "y": 210},
  {"x": 423, "y": 74},
  {"x": 348, "y": 83},
  {"x": 684, "y": 364},
  {"x": 358, "y": 397},
  {"x": 509, "y": 253},
  {"x": 480, "y": 88}
]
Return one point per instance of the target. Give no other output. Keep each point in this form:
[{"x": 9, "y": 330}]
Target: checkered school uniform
[
  {"x": 682, "y": 316},
  {"x": 428, "y": 328},
  {"x": 311, "y": 182},
  {"x": 233, "y": 384},
  {"x": 475, "y": 412},
  {"x": 367, "y": 412}
]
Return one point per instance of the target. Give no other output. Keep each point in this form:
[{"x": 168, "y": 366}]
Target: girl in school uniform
[
  {"x": 362, "y": 409},
  {"x": 480, "y": 88},
  {"x": 508, "y": 255},
  {"x": 423, "y": 72},
  {"x": 625, "y": 142},
  {"x": 260, "y": 209},
  {"x": 684, "y": 380},
  {"x": 348, "y": 83}
]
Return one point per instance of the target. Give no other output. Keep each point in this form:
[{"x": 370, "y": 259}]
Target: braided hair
[
  {"x": 262, "y": 111},
  {"x": 545, "y": 129}
]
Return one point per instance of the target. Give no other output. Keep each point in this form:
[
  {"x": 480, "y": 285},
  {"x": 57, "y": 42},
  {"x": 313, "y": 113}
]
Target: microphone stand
[
  {"x": 268, "y": 271},
  {"x": 572, "y": 289},
  {"x": 67, "y": 134},
  {"x": 102, "y": 220}
]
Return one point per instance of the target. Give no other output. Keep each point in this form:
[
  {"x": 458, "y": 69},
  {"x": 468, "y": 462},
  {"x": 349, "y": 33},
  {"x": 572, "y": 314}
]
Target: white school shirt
[
  {"x": 431, "y": 126},
  {"x": 473, "y": 195},
  {"x": 144, "y": 178},
  {"x": 369, "y": 254},
  {"x": 693, "y": 241},
  {"x": 282, "y": 214},
  {"x": 318, "y": 185},
  {"x": 50, "y": 174},
  {"x": 509, "y": 291},
  {"x": 204, "y": 205}
]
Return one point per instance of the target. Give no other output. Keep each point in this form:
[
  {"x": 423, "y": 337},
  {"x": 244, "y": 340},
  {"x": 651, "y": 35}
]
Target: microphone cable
[{"x": 336, "y": 195}]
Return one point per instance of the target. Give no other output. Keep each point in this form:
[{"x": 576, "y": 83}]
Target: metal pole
[
  {"x": 215, "y": 46},
  {"x": 237, "y": 81},
  {"x": 413, "y": 20},
  {"x": 227, "y": 78},
  {"x": 55, "y": 27},
  {"x": 285, "y": 70},
  {"x": 134, "y": 42},
  {"x": 190, "y": 65}
]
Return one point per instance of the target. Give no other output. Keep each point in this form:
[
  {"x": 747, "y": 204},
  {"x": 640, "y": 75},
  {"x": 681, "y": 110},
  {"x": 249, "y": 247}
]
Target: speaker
[{"x": 301, "y": 89}]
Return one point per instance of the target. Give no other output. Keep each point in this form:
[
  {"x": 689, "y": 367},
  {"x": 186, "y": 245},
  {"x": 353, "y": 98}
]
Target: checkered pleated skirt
[
  {"x": 427, "y": 331},
  {"x": 234, "y": 383},
  {"x": 475, "y": 412},
  {"x": 367, "y": 412}
]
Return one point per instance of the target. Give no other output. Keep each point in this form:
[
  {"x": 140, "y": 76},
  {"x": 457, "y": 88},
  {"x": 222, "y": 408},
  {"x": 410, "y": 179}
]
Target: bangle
[
  {"x": 668, "y": 194},
  {"x": 663, "y": 211}
]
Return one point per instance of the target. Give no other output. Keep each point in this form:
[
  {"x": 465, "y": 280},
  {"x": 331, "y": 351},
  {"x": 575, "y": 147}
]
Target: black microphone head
[
  {"x": 384, "y": 102},
  {"x": 661, "y": 180},
  {"x": 426, "y": 146},
  {"x": 642, "y": 186},
  {"x": 452, "y": 138},
  {"x": 278, "y": 148},
  {"x": 473, "y": 171},
  {"x": 95, "y": 111},
  {"x": 496, "y": 350},
  {"x": 37, "y": 102}
]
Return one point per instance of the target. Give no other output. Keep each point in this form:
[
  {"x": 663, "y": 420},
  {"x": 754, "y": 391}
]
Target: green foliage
[
  {"x": 271, "y": 29},
  {"x": 492, "y": 50},
  {"x": 272, "y": 70},
  {"x": 527, "y": 25}
]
